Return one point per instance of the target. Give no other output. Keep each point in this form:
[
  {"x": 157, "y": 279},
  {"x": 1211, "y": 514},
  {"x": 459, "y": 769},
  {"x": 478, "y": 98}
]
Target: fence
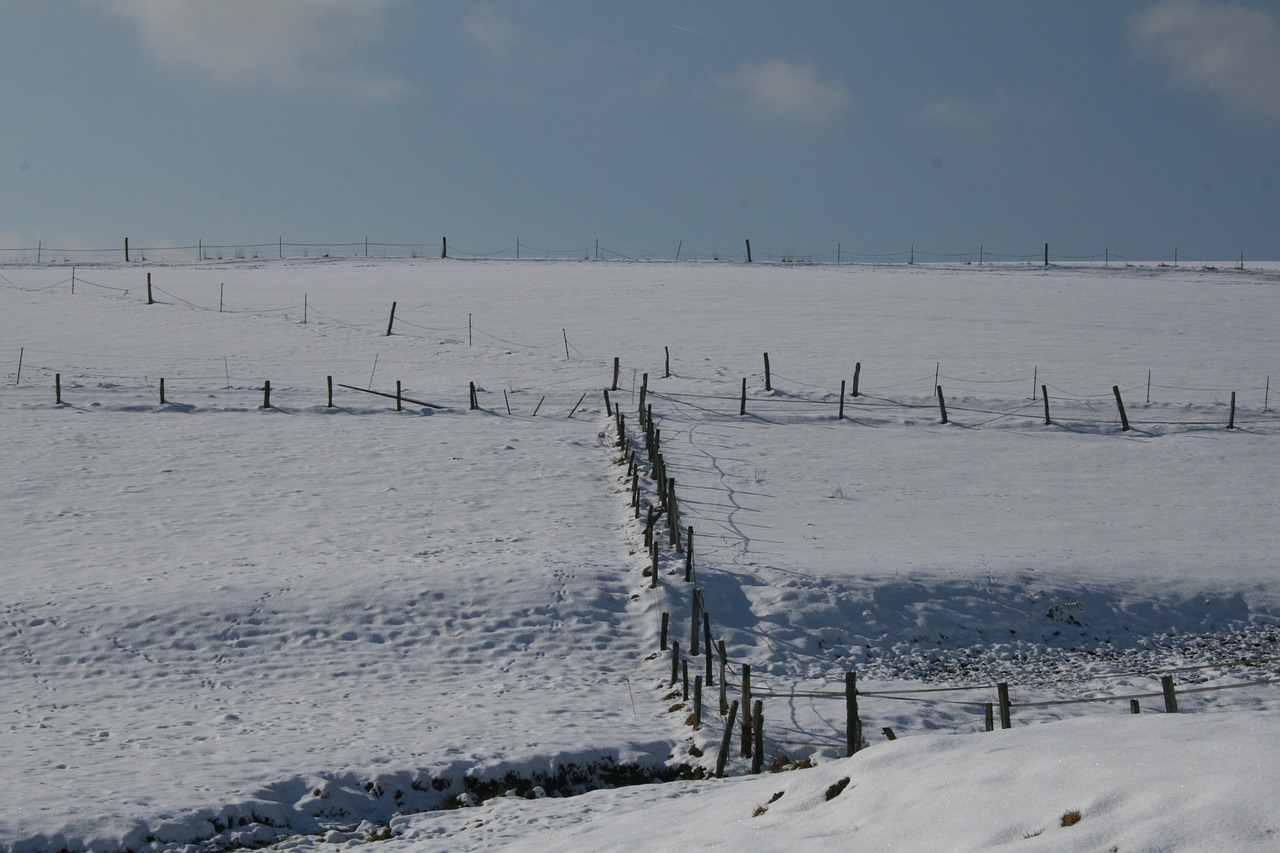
[
  {"x": 279, "y": 249},
  {"x": 653, "y": 496}
]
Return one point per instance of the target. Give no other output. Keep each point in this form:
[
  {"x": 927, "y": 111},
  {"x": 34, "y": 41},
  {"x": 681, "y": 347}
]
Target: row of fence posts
[{"x": 751, "y": 727}]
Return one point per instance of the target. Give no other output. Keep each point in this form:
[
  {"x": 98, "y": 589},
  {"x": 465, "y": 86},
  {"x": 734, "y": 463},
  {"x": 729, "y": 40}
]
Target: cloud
[
  {"x": 789, "y": 91},
  {"x": 1227, "y": 51},
  {"x": 492, "y": 32},
  {"x": 999, "y": 109},
  {"x": 299, "y": 45}
]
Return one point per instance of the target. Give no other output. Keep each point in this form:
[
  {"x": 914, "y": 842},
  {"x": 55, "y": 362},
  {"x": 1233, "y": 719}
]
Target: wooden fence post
[
  {"x": 989, "y": 717},
  {"x": 329, "y": 382},
  {"x": 695, "y": 628},
  {"x": 474, "y": 404},
  {"x": 666, "y": 363},
  {"x": 697, "y": 702},
  {"x": 1124, "y": 419},
  {"x": 57, "y": 388},
  {"x": 841, "y": 417},
  {"x": 742, "y": 410},
  {"x": 757, "y": 728},
  {"x": 614, "y": 387},
  {"x": 748, "y": 261},
  {"x": 1133, "y": 706},
  {"x": 675, "y": 662},
  {"x": 1044, "y": 392},
  {"x": 768, "y": 375},
  {"x": 684, "y": 675},
  {"x": 688, "y": 556},
  {"x": 399, "y": 404},
  {"x": 662, "y": 642},
  {"x": 706, "y": 642},
  {"x": 746, "y": 705},
  {"x": 1170, "y": 697},
  {"x": 608, "y": 407},
  {"x": 1231, "y": 421},
  {"x": 853, "y": 725},
  {"x": 653, "y": 573},
  {"x": 723, "y": 755},
  {"x": 391, "y": 321},
  {"x": 266, "y": 394},
  {"x": 942, "y": 404},
  {"x": 1002, "y": 691},
  {"x": 444, "y": 247},
  {"x": 724, "y": 684},
  {"x": 857, "y": 369},
  {"x": 150, "y": 301}
]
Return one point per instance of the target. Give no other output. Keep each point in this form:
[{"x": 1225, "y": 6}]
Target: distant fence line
[{"x": 281, "y": 249}]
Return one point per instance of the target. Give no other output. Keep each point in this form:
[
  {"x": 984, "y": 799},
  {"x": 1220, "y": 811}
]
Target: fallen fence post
[
  {"x": 385, "y": 394},
  {"x": 888, "y": 733}
]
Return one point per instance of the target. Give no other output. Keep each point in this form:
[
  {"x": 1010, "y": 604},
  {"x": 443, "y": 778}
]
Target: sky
[{"x": 813, "y": 129}]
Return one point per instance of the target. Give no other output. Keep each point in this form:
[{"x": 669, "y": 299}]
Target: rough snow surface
[{"x": 228, "y": 624}]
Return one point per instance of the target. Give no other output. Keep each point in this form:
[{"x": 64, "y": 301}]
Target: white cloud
[
  {"x": 1230, "y": 52},
  {"x": 492, "y": 32},
  {"x": 300, "y": 45},
  {"x": 999, "y": 109},
  {"x": 788, "y": 90}
]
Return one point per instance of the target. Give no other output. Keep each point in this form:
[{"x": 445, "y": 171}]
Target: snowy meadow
[{"x": 330, "y": 617}]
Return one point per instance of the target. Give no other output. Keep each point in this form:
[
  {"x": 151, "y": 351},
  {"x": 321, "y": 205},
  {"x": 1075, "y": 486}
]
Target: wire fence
[{"x": 281, "y": 249}]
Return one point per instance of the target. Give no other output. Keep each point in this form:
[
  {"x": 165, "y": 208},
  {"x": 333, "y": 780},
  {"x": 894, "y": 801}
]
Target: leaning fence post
[
  {"x": 392, "y": 320},
  {"x": 724, "y": 741},
  {"x": 1170, "y": 697},
  {"x": 942, "y": 404},
  {"x": 1124, "y": 419},
  {"x": 1002, "y": 691}
]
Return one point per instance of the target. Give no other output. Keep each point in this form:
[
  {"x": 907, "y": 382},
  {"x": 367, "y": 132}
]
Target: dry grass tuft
[{"x": 1071, "y": 818}]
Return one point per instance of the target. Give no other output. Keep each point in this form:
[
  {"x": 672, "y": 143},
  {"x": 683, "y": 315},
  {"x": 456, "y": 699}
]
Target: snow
[{"x": 227, "y": 625}]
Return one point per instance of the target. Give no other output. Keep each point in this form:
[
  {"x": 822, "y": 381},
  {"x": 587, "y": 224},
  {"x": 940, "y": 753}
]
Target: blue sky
[{"x": 1133, "y": 127}]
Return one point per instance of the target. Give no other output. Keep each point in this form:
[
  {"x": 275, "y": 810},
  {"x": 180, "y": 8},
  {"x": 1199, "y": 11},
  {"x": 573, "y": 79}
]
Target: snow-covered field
[{"x": 226, "y": 624}]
